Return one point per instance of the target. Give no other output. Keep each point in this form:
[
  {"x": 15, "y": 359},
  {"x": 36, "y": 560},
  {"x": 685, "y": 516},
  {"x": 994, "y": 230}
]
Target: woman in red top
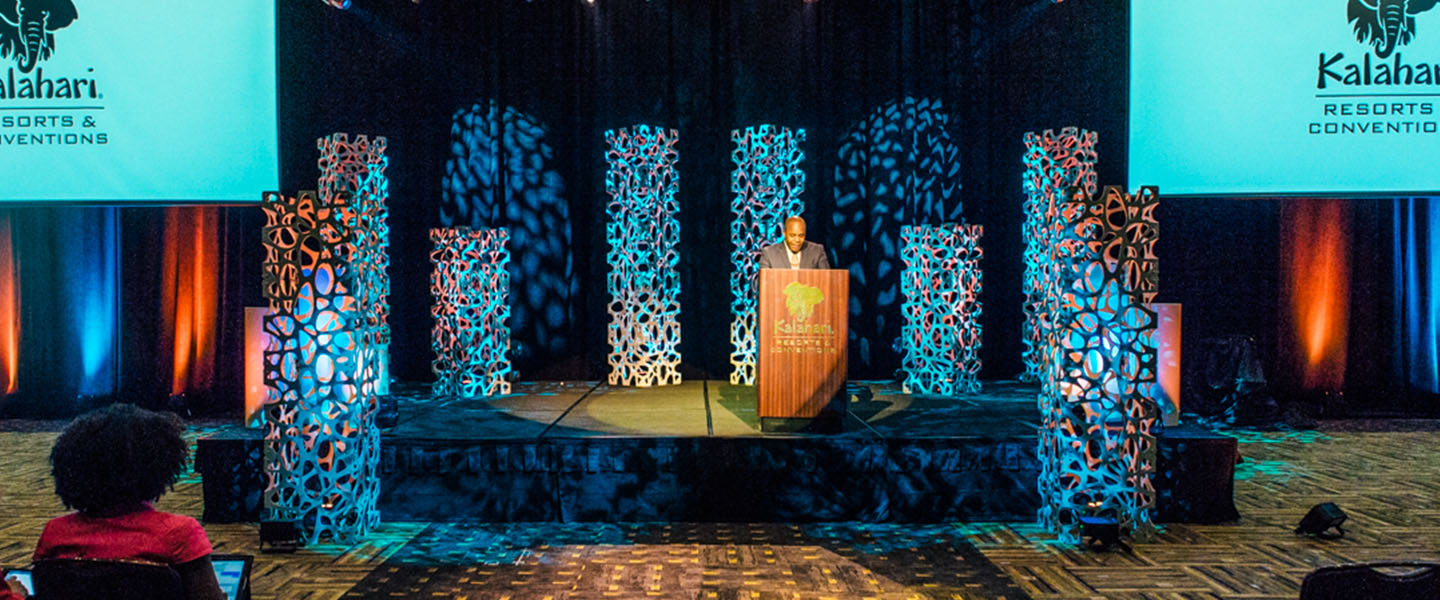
[{"x": 109, "y": 465}]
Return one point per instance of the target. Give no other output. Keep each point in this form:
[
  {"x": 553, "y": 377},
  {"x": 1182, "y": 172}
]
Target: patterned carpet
[
  {"x": 1388, "y": 482},
  {"x": 708, "y": 560}
]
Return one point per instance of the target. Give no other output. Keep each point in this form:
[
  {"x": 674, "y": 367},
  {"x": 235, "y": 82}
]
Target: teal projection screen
[
  {"x": 153, "y": 101},
  {"x": 1284, "y": 97}
]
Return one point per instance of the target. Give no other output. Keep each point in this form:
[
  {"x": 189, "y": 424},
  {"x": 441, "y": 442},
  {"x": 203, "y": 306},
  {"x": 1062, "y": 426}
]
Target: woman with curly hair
[{"x": 109, "y": 466}]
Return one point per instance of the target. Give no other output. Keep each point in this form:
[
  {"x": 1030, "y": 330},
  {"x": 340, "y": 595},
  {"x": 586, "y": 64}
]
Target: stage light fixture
[
  {"x": 1323, "y": 521},
  {"x": 280, "y": 536},
  {"x": 1099, "y": 533},
  {"x": 340, "y": 4}
]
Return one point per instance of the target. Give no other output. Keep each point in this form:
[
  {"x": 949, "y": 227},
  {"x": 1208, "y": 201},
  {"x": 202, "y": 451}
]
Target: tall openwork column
[
  {"x": 471, "y": 287},
  {"x": 643, "y": 232},
  {"x": 940, "y": 331},
  {"x": 767, "y": 183},
  {"x": 1097, "y": 440},
  {"x": 357, "y": 167},
  {"x": 1053, "y": 163},
  {"x": 321, "y": 444}
]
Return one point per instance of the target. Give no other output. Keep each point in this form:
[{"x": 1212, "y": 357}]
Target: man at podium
[
  {"x": 802, "y": 318},
  {"x": 794, "y": 252}
]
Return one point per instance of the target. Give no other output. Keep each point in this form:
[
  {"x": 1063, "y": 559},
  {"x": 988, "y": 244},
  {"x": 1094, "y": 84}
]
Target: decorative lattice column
[
  {"x": 1053, "y": 163},
  {"x": 767, "y": 183},
  {"x": 321, "y": 445},
  {"x": 940, "y": 331},
  {"x": 357, "y": 168},
  {"x": 471, "y": 335},
  {"x": 1097, "y": 439},
  {"x": 643, "y": 232}
]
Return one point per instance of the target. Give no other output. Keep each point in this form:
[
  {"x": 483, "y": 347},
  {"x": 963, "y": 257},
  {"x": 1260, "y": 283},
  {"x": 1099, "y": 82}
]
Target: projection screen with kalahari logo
[
  {"x": 156, "y": 101},
  {"x": 1285, "y": 97}
]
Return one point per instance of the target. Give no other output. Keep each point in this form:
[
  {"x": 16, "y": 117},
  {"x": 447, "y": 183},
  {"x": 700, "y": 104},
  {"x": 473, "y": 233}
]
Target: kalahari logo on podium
[
  {"x": 800, "y": 300},
  {"x": 795, "y": 334}
]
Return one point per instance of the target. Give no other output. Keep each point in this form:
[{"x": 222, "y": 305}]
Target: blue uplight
[
  {"x": 91, "y": 262},
  {"x": 1417, "y": 269}
]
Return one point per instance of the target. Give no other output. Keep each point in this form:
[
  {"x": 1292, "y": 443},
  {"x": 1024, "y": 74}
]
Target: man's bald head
[{"x": 795, "y": 233}]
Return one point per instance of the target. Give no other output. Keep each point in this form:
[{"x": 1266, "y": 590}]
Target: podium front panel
[{"x": 803, "y": 321}]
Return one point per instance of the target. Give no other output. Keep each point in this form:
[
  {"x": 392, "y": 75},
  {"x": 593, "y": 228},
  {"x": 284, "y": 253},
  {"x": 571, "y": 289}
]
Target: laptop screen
[
  {"x": 233, "y": 573},
  {"x": 231, "y": 570},
  {"x": 23, "y": 576}
]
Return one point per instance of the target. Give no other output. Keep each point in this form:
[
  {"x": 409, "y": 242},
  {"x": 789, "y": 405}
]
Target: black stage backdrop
[
  {"x": 991, "y": 70},
  {"x": 973, "y": 73}
]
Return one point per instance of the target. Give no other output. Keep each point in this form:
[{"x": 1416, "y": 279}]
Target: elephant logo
[
  {"x": 28, "y": 31},
  {"x": 801, "y": 299},
  {"x": 1385, "y": 24}
]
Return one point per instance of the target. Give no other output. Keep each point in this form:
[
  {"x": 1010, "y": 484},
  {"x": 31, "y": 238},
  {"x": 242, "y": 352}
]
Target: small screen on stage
[
  {"x": 154, "y": 101},
  {"x": 1284, "y": 97}
]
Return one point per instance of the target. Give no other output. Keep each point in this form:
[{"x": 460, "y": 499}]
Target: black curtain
[
  {"x": 881, "y": 89},
  {"x": 978, "y": 73}
]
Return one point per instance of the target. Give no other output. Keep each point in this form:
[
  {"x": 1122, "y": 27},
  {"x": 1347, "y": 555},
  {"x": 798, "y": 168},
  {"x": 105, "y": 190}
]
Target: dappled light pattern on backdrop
[
  {"x": 767, "y": 183},
  {"x": 1098, "y": 416},
  {"x": 1053, "y": 163},
  {"x": 643, "y": 233},
  {"x": 899, "y": 166},
  {"x": 940, "y": 334},
  {"x": 470, "y": 283},
  {"x": 501, "y": 174}
]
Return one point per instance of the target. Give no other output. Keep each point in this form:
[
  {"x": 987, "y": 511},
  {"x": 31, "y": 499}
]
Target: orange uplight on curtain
[
  {"x": 255, "y": 339},
  {"x": 9, "y": 310},
  {"x": 1315, "y": 243},
  {"x": 190, "y": 285}
]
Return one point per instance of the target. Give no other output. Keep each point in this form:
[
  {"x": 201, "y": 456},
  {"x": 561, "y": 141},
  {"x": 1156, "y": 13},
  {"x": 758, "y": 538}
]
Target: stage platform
[{"x": 586, "y": 451}]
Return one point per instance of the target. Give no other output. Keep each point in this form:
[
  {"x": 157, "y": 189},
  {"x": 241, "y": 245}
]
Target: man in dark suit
[{"x": 794, "y": 252}]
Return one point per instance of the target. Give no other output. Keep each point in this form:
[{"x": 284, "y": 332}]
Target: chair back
[
  {"x": 77, "y": 579},
  {"x": 1398, "y": 581}
]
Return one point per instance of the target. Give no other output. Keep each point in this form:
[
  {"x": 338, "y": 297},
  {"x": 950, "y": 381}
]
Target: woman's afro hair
[{"x": 118, "y": 456}]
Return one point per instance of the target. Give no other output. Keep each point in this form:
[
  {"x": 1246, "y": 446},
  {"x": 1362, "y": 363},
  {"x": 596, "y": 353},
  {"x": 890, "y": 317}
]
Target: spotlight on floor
[
  {"x": 1099, "y": 533},
  {"x": 280, "y": 536},
  {"x": 1323, "y": 521}
]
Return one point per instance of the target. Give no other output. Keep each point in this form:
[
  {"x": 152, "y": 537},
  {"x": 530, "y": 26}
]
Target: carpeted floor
[
  {"x": 546, "y": 560},
  {"x": 1387, "y": 479}
]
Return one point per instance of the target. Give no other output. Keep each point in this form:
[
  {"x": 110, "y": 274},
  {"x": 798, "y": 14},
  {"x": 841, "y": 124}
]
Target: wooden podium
[{"x": 804, "y": 322}]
